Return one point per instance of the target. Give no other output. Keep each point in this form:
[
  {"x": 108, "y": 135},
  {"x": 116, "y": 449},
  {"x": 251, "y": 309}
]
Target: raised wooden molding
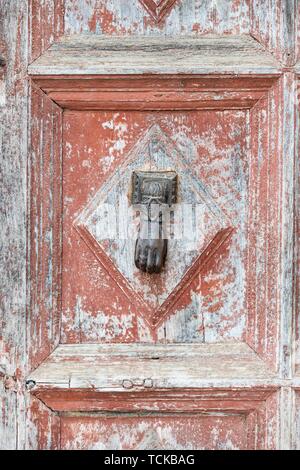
[
  {"x": 152, "y": 92},
  {"x": 158, "y": 9},
  {"x": 83, "y": 377},
  {"x": 102, "y": 55},
  {"x": 219, "y": 399},
  {"x": 84, "y": 72}
]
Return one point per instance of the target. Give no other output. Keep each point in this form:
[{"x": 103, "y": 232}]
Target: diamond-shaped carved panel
[
  {"x": 158, "y": 9},
  {"x": 154, "y": 294}
]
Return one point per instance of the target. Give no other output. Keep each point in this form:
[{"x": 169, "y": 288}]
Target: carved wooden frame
[
  {"x": 197, "y": 92},
  {"x": 257, "y": 406},
  {"x": 257, "y": 93}
]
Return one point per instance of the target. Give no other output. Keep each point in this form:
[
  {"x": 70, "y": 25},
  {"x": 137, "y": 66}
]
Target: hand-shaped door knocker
[{"x": 152, "y": 191}]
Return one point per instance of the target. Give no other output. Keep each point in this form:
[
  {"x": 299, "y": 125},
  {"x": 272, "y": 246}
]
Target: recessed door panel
[
  {"x": 105, "y": 297},
  {"x": 172, "y": 432}
]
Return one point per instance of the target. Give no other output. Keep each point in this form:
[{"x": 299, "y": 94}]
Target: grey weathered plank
[
  {"x": 273, "y": 23},
  {"x": 105, "y": 367},
  {"x": 13, "y": 154},
  {"x": 85, "y": 54},
  {"x": 17, "y": 430}
]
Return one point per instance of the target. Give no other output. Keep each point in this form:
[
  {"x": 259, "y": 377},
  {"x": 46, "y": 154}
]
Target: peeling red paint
[{"x": 64, "y": 135}]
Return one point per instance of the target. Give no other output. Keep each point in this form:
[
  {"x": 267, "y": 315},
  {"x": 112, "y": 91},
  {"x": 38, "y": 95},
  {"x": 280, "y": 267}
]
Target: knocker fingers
[{"x": 151, "y": 260}]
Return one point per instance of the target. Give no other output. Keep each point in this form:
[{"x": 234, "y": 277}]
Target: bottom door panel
[{"x": 217, "y": 431}]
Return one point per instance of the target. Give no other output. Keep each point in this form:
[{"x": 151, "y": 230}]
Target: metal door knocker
[{"x": 153, "y": 191}]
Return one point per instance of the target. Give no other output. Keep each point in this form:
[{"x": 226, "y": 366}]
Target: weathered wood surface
[
  {"x": 13, "y": 149},
  {"x": 44, "y": 250},
  {"x": 156, "y": 93},
  {"x": 295, "y": 418},
  {"x": 243, "y": 429},
  {"x": 87, "y": 288},
  {"x": 187, "y": 17},
  {"x": 46, "y": 25},
  {"x": 27, "y": 29},
  {"x": 196, "y": 319},
  {"x": 281, "y": 39},
  {"x": 194, "y": 431},
  {"x": 84, "y": 54},
  {"x": 17, "y": 429},
  {"x": 122, "y": 367},
  {"x": 273, "y": 23},
  {"x": 296, "y": 351}
]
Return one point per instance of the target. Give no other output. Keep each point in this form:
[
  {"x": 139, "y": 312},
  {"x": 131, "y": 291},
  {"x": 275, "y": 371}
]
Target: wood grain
[
  {"x": 258, "y": 406},
  {"x": 82, "y": 54},
  {"x": 91, "y": 370}
]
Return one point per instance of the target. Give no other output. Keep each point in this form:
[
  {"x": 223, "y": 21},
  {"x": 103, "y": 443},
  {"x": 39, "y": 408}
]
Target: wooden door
[{"x": 95, "y": 352}]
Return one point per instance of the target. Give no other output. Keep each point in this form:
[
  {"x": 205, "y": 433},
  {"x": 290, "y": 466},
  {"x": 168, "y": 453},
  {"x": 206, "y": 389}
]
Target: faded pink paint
[
  {"x": 171, "y": 432},
  {"x": 89, "y": 138},
  {"x": 242, "y": 146}
]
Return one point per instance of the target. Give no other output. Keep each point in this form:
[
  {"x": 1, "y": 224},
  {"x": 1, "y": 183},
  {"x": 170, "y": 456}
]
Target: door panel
[
  {"x": 171, "y": 432},
  {"x": 217, "y": 134},
  {"x": 122, "y": 18},
  {"x": 99, "y": 146}
]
